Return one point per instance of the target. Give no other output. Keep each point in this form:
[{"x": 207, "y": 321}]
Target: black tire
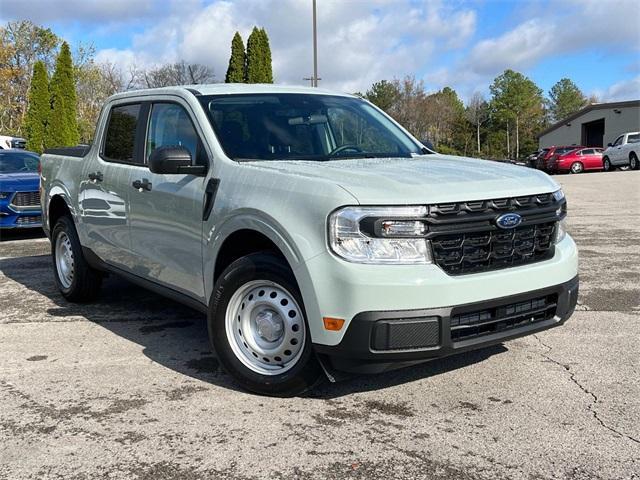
[
  {"x": 634, "y": 164},
  {"x": 304, "y": 373},
  {"x": 85, "y": 281},
  {"x": 606, "y": 164},
  {"x": 576, "y": 167}
]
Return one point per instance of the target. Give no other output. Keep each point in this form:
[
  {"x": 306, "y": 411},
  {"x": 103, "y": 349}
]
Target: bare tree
[
  {"x": 477, "y": 113},
  {"x": 180, "y": 73}
]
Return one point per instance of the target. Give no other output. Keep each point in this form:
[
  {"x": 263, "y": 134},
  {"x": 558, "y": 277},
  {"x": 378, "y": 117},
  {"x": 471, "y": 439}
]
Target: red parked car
[
  {"x": 547, "y": 153},
  {"x": 576, "y": 161}
]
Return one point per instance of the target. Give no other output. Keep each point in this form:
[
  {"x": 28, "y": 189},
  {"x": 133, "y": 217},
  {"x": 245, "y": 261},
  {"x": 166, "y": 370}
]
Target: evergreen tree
[
  {"x": 254, "y": 74},
  {"x": 266, "y": 57},
  {"x": 62, "y": 126},
  {"x": 237, "y": 70},
  {"x": 383, "y": 94},
  {"x": 565, "y": 98},
  {"x": 38, "y": 109},
  {"x": 518, "y": 103},
  {"x": 259, "y": 69}
]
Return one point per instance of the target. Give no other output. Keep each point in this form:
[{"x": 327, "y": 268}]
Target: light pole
[{"x": 314, "y": 79}]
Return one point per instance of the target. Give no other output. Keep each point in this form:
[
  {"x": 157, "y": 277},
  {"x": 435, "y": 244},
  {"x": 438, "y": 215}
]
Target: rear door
[
  {"x": 104, "y": 187},
  {"x": 592, "y": 159},
  {"x": 166, "y": 212}
]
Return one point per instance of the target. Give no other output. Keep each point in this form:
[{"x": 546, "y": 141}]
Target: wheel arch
[
  {"x": 58, "y": 207},
  {"x": 241, "y": 243}
]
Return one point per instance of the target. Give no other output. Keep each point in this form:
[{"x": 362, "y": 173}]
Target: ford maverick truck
[{"x": 314, "y": 231}]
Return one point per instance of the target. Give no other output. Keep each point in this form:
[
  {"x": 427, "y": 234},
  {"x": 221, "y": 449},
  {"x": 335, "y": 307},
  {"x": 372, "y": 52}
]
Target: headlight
[
  {"x": 382, "y": 235},
  {"x": 561, "y": 231}
]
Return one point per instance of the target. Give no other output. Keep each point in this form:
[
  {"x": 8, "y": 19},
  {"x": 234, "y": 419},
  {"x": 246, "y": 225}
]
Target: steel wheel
[
  {"x": 606, "y": 164},
  {"x": 265, "y": 327},
  {"x": 576, "y": 167},
  {"x": 633, "y": 162},
  {"x": 65, "y": 264}
]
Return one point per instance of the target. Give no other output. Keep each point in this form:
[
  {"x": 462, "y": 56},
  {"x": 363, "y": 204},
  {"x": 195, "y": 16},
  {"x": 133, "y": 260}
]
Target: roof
[
  {"x": 231, "y": 88},
  {"x": 588, "y": 108}
]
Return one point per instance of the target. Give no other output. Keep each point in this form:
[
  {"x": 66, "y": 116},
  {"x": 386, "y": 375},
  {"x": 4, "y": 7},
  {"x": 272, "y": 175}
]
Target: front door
[
  {"x": 166, "y": 209},
  {"x": 104, "y": 188},
  {"x": 616, "y": 154}
]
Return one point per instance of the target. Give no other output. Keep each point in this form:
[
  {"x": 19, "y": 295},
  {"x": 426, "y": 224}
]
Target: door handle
[
  {"x": 141, "y": 185},
  {"x": 95, "y": 176}
]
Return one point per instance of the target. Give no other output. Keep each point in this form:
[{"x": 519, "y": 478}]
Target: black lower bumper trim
[{"x": 374, "y": 341}]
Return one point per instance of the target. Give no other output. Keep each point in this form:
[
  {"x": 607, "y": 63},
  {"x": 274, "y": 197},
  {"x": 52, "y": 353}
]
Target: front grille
[
  {"x": 465, "y": 238},
  {"x": 481, "y": 251},
  {"x": 505, "y": 317},
  {"x": 26, "y": 199},
  {"x": 34, "y": 220}
]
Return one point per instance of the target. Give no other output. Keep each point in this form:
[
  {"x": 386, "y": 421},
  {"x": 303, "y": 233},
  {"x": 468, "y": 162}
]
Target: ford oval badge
[{"x": 509, "y": 220}]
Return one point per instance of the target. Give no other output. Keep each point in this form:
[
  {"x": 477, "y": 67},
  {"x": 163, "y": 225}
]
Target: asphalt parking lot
[{"x": 127, "y": 387}]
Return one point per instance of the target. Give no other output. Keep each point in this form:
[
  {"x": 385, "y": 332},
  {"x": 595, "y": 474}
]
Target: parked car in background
[
  {"x": 19, "y": 189},
  {"x": 576, "y": 161},
  {"x": 623, "y": 152},
  {"x": 7, "y": 142},
  {"x": 532, "y": 158},
  {"x": 543, "y": 158}
]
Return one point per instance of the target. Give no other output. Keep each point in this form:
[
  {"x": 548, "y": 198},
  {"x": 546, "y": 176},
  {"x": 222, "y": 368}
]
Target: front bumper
[
  {"x": 24, "y": 217},
  {"x": 368, "y": 344}
]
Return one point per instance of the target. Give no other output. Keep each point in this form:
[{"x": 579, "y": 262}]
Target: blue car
[{"x": 19, "y": 189}]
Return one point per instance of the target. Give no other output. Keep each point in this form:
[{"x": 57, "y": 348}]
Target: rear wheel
[
  {"x": 633, "y": 162},
  {"x": 606, "y": 164},
  {"x": 76, "y": 280},
  {"x": 577, "y": 167},
  {"x": 258, "y": 328}
]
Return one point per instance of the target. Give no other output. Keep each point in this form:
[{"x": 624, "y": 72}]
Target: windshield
[
  {"x": 18, "y": 162},
  {"x": 303, "y": 127}
]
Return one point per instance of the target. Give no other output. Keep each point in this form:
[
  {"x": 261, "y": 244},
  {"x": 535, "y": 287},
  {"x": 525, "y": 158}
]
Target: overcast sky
[{"x": 460, "y": 43}]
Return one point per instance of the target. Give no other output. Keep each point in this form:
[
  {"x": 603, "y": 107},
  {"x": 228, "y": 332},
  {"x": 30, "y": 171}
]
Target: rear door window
[
  {"x": 120, "y": 137},
  {"x": 634, "y": 138}
]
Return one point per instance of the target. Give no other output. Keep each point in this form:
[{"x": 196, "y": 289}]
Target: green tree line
[
  {"x": 503, "y": 126},
  {"x": 43, "y": 81}
]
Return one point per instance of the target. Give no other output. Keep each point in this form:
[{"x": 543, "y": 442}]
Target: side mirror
[
  {"x": 173, "y": 159},
  {"x": 609, "y": 144}
]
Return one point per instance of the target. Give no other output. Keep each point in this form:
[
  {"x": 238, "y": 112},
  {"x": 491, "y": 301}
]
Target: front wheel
[
  {"x": 606, "y": 164},
  {"x": 633, "y": 162},
  {"x": 257, "y": 326}
]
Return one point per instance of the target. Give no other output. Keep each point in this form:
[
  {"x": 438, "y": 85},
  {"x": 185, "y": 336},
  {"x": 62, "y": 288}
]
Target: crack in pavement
[{"x": 572, "y": 377}]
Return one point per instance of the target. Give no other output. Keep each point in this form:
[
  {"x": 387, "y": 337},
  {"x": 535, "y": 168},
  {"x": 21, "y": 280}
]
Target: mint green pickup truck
[{"x": 314, "y": 231}]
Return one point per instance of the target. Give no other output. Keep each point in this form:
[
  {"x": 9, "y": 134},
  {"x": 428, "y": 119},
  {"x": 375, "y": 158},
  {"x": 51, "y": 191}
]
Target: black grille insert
[
  {"x": 26, "y": 199},
  {"x": 466, "y": 239},
  {"x": 481, "y": 251},
  {"x": 505, "y": 317}
]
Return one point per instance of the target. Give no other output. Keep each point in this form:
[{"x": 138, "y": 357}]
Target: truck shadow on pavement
[{"x": 171, "y": 334}]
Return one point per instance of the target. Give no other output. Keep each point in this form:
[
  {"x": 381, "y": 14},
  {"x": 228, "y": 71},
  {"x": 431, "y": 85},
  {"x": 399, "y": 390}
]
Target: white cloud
[
  {"x": 624, "y": 90},
  {"x": 359, "y": 42},
  {"x": 85, "y": 10}
]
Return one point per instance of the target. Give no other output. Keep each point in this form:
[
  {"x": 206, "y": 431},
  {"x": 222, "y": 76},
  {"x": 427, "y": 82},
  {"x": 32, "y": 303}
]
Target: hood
[
  {"x": 422, "y": 179},
  {"x": 13, "y": 182}
]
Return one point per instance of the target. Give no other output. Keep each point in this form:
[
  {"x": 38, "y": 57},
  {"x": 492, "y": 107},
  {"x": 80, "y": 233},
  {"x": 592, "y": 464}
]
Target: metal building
[{"x": 595, "y": 125}]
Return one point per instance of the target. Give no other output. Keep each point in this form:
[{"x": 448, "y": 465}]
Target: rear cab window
[{"x": 120, "y": 138}]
